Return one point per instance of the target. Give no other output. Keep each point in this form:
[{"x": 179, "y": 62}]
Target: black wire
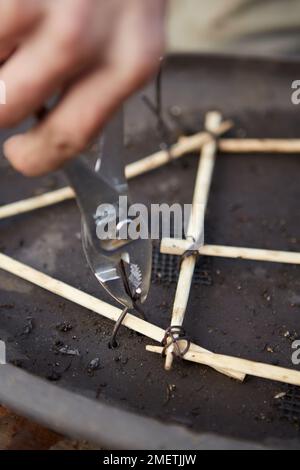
[
  {"x": 113, "y": 344},
  {"x": 173, "y": 335},
  {"x": 136, "y": 305}
]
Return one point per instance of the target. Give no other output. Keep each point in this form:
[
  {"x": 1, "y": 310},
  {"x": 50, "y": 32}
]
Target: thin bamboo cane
[
  {"x": 195, "y": 228},
  {"x": 179, "y": 247},
  {"x": 256, "y": 369},
  {"x": 291, "y": 146},
  {"x": 38, "y": 202}
]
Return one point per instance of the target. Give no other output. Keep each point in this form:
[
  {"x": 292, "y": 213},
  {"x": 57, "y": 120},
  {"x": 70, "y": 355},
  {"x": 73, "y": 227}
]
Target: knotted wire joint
[
  {"x": 192, "y": 251},
  {"x": 173, "y": 335}
]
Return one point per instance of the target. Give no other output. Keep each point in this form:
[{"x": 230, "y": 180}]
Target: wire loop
[{"x": 173, "y": 335}]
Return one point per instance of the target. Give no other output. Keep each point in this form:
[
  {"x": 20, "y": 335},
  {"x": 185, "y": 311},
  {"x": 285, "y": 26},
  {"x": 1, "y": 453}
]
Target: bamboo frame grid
[
  {"x": 174, "y": 344},
  {"x": 230, "y": 366}
]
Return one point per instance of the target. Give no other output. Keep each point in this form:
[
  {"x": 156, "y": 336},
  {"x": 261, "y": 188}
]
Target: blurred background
[{"x": 256, "y": 27}]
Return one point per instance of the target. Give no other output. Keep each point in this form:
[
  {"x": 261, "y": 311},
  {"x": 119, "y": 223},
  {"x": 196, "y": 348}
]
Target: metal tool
[{"x": 121, "y": 265}]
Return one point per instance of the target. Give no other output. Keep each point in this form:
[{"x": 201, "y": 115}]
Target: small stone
[
  {"x": 280, "y": 395},
  {"x": 94, "y": 365},
  {"x": 291, "y": 336},
  {"x": 67, "y": 351},
  {"x": 267, "y": 296}
]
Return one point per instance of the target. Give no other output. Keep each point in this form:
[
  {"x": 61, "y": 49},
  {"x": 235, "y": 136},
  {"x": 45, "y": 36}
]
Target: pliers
[{"x": 121, "y": 265}]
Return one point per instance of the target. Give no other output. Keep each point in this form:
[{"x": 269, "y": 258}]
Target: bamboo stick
[
  {"x": 91, "y": 303},
  {"x": 256, "y": 369},
  {"x": 178, "y": 247},
  {"x": 195, "y": 228},
  {"x": 34, "y": 203},
  {"x": 259, "y": 146},
  {"x": 184, "y": 146}
]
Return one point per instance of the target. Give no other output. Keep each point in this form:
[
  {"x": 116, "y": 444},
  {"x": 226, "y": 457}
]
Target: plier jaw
[{"x": 124, "y": 272}]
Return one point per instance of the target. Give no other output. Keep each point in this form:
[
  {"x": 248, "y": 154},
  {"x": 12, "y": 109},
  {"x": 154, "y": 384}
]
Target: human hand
[{"x": 93, "y": 53}]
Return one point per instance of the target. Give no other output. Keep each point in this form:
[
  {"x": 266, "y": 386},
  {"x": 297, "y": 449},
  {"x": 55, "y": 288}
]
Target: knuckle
[
  {"x": 66, "y": 50},
  {"x": 70, "y": 41}
]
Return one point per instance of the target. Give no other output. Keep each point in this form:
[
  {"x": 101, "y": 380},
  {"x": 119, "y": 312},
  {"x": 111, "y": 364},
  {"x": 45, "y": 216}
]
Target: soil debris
[
  {"x": 28, "y": 328},
  {"x": 66, "y": 350},
  {"x": 94, "y": 365},
  {"x": 64, "y": 327}
]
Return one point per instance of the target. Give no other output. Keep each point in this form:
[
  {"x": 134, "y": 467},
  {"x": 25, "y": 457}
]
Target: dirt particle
[
  {"x": 170, "y": 393},
  {"x": 279, "y": 396},
  {"x": 28, "y": 328},
  {"x": 94, "y": 365},
  {"x": 64, "y": 327},
  {"x": 68, "y": 351}
]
